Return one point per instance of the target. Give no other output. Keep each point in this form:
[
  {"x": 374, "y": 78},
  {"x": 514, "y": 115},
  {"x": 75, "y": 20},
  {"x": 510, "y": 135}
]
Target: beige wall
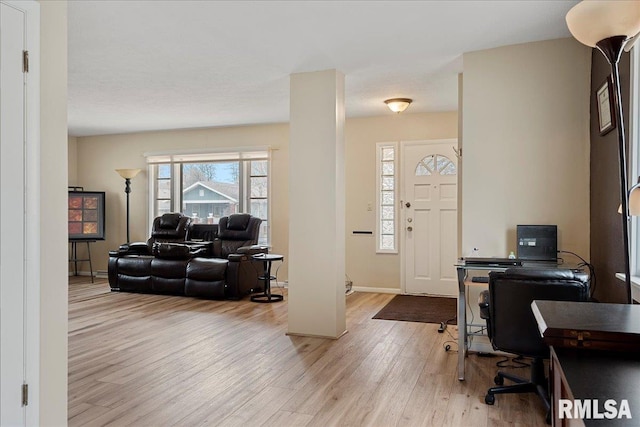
[
  {"x": 363, "y": 265},
  {"x": 98, "y": 157},
  {"x": 53, "y": 213},
  {"x": 526, "y": 144},
  {"x": 72, "y": 143}
]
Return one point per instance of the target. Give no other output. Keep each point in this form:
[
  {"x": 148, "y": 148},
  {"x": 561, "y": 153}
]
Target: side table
[{"x": 267, "y": 260}]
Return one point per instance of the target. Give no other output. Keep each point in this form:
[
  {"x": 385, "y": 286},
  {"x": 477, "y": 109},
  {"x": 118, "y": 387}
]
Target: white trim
[
  {"x": 213, "y": 202},
  {"x": 200, "y": 154},
  {"x": 31, "y": 9},
  {"x": 634, "y": 147},
  {"x": 635, "y": 286},
  {"x": 395, "y": 291},
  {"x": 379, "y": 147}
]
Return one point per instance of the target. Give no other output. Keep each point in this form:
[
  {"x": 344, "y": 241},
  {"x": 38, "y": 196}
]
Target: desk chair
[{"x": 511, "y": 326}]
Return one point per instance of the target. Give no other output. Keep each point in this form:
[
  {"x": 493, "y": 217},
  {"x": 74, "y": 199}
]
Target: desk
[
  {"x": 462, "y": 269},
  {"x": 463, "y": 333},
  {"x": 577, "y": 370}
]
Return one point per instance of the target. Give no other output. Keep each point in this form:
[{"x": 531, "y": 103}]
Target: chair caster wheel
[
  {"x": 489, "y": 399},
  {"x": 498, "y": 380}
]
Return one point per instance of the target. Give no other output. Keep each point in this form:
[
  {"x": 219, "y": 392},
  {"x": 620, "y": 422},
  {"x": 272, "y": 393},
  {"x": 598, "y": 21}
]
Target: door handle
[
  {"x": 409, "y": 228},
  {"x": 408, "y": 204}
]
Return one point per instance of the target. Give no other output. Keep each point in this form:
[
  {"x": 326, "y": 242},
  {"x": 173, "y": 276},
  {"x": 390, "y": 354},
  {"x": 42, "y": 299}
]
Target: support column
[{"x": 317, "y": 205}]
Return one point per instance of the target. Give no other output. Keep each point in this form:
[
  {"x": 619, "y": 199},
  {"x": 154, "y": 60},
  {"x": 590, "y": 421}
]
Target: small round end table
[{"x": 267, "y": 260}]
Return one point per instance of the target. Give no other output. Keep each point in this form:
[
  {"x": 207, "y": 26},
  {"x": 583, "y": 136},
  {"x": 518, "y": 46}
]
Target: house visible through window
[{"x": 207, "y": 187}]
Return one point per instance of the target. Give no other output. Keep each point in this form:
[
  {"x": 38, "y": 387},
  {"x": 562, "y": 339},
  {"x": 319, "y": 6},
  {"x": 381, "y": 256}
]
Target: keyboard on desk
[
  {"x": 492, "y": 262},
  {"x": 480, "y": 279}
]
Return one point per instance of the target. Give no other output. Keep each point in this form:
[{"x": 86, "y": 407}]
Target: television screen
[{"x": 86, "y": 215}]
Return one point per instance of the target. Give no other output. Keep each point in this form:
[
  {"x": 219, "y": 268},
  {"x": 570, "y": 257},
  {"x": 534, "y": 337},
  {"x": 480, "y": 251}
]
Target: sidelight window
[{"x": 387, "y": 190}]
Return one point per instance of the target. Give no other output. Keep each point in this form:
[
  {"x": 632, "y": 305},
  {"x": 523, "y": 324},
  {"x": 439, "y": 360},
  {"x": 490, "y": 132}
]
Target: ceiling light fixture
[{"x": 398, "y": 105}]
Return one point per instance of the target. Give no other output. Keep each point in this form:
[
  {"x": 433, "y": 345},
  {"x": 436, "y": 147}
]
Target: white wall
[
  {"x": 53, "y": 213},
  {"x": 526, "y": 144}
]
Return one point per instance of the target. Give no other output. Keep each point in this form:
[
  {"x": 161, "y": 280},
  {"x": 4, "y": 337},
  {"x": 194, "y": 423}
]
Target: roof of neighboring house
[{"x": 226, "y": 189}]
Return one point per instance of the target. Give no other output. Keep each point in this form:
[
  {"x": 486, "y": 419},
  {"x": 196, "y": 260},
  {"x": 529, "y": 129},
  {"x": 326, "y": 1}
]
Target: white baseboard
[
  {"x": 98, "y": 274},
  {"x": 377, "y": 290}
]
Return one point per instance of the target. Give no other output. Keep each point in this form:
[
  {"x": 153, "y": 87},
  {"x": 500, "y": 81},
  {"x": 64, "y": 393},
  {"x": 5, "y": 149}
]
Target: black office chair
[{"x": 512, "y": 327}]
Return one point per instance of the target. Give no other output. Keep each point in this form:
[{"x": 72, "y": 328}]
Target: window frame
[
  {"x": 634, "y": 147},
  {"x": 176, "y": 160},
  {"x": 379, "y": 175}
]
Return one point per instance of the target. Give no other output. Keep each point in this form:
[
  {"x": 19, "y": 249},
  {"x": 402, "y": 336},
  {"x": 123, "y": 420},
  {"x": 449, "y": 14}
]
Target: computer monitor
[{"x": 538, "y": 242}]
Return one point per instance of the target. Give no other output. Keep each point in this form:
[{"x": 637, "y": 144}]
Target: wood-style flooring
[{"x": 151, "y": 360}]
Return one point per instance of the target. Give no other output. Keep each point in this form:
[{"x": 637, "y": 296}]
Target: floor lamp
[
  {"x": 608, "y": 26},
  {"x": 128, "y": 175}
]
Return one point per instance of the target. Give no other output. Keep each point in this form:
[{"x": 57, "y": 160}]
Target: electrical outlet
[{"x": 369, "y": 207}]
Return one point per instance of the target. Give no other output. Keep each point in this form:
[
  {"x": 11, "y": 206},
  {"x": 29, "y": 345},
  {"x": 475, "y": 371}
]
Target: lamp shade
[
  {"x": 591, "y": 21},
  {"x": 634, "y": 201},
  {"x": 128, "y": 173},
  {"x": 398, "y": 105}
]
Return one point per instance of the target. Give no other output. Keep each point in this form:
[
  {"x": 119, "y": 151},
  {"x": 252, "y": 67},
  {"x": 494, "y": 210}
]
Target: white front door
[{"x": 429, "y": 216}]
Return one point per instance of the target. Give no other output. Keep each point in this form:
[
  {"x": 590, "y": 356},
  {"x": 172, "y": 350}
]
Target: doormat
[{"x": 411, "y": 308}]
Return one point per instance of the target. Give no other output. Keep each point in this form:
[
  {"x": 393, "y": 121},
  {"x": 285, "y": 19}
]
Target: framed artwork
[
  {"x": 606, "y": 116},
  {"x": 86, "y": 215}
]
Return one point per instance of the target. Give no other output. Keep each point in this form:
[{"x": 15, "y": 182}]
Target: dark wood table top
[
  {"x": 603, "y": 375},
  {"x": 594, "y": 325}
]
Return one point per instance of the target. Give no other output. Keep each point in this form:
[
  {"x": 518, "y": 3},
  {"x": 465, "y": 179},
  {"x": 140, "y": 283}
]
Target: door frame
[
  {"x": 31, "y": 170},
  {"x": 402, "y": 217}
]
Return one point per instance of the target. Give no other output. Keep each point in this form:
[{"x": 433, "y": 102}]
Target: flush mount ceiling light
[{"x": 398, "y": 105}]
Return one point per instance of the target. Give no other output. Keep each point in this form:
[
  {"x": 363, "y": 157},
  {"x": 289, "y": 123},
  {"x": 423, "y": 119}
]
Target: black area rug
[{"x": 410, "y": 308}]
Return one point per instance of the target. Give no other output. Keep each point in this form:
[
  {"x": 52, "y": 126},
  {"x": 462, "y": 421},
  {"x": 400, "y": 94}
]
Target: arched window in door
[{"x": 436, "y": 164}]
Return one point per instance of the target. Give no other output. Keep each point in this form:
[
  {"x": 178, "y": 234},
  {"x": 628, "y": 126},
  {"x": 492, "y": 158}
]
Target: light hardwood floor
[{"x": 150, "y": 360}]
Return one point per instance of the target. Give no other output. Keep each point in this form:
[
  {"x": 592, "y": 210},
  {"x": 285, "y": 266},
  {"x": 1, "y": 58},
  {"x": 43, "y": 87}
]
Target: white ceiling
[{"x": 151, "y": 65}]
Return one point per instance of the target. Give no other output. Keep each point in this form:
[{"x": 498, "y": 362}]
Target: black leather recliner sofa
[{"x": 169, "y": 264}]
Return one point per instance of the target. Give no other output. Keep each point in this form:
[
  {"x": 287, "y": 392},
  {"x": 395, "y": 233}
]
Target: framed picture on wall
[
  {"x": 606, "y": 114},
  {"x": 86, "y": 215}
]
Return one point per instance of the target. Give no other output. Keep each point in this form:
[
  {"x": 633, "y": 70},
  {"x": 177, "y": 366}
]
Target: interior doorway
[{"x": 429, "y": 219}]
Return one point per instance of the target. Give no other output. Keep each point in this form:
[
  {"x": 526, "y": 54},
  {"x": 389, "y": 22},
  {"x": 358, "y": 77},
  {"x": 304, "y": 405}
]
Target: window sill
[{"x": 635, "y": 286}]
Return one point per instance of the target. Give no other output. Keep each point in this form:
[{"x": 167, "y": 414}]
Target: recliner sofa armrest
[
  {"x": 245, "y": 253},
  {"x": 237, "y": 258},
  {"x": 134, "y": 248}
]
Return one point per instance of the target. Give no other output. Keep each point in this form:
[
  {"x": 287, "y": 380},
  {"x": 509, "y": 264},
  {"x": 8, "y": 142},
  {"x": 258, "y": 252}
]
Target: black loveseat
[{"x": 168, "y": 263}]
